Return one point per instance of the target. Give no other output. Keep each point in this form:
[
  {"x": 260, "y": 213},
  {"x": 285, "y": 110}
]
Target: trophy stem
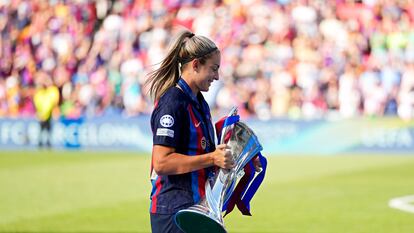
[{"x": 206, "y": 216}]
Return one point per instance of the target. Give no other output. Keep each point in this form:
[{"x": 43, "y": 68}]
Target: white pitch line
[{"x": 405, "y": 203}]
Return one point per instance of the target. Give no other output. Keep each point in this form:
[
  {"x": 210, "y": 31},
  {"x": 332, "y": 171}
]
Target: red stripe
[
  {"x": 200, "y": 150},
  {"x": 201, "y": 183},
  {"x": 154, "y": 197}
]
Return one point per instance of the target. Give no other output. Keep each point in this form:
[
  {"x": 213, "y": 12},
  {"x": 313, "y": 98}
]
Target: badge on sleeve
[
  {"x": 167, "y": 121},
  {"x": 165, "y": 132}
]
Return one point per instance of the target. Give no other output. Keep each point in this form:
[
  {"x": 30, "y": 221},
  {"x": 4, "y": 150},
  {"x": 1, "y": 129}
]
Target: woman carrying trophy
[{"x": 184, "y": 153}]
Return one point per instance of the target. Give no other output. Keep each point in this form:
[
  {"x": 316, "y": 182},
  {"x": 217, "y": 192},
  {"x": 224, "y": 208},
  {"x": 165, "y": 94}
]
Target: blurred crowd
[{"x": 280, "y": 58}]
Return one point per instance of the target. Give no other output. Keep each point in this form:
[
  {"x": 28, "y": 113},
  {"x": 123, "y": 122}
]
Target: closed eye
[{"x": 215, "y": 69}]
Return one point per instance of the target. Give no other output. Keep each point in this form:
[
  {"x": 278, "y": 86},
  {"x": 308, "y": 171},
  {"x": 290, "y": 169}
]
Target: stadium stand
[{"x": 280, "y": 58}]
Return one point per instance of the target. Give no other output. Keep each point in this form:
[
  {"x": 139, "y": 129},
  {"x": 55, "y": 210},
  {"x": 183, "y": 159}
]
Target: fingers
[
  {"x": 257, "y": 164},
  {"x": 223, "y": 157},
  {"x": 228, "y": 160},
  {"x": 223, "y": 146}
]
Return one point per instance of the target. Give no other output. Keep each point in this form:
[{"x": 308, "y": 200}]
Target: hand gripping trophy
[{"x": 206, "y": 216}]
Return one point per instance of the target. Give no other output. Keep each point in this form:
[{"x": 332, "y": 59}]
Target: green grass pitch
[{"x": 107, "y": 192}]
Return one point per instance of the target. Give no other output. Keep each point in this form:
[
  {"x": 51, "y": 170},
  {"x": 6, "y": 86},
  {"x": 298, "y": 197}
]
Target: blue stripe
[{"x": 194, "y": 186}]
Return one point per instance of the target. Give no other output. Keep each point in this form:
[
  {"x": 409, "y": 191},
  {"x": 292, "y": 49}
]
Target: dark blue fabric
[
  {"x": 171, "y": 126},
  {"x": 173, "y": 103},
  {"x": 202, "y": 111},
  {"x": 163, "y": 223}
]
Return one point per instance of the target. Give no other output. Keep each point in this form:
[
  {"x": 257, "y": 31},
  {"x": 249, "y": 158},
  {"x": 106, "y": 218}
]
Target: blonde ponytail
[{"x": 184, "y": 49}]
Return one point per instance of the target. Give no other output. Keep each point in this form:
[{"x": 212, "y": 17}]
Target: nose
[{"x": 217, "y": 76}]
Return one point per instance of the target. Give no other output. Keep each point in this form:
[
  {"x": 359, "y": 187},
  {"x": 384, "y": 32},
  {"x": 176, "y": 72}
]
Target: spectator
[
  {"x": 310, "y": 54},
  {"x": 46, "y": 99}
]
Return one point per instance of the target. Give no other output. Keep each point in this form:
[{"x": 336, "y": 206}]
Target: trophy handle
[{"x": 233, "y": 112}]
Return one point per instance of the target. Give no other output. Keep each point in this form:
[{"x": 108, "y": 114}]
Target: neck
[{"x": 191, "y": 84}]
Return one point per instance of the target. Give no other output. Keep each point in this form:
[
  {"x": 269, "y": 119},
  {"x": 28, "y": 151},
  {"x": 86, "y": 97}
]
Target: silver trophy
[{"x": 206, "y": 216}]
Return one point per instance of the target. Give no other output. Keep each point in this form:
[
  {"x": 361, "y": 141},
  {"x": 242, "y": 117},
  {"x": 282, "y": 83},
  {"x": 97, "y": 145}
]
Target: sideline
[{"x": 405, "y": 203}]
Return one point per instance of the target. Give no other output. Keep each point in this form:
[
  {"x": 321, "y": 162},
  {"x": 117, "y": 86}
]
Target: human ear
[{"x": 195, "y": 64}]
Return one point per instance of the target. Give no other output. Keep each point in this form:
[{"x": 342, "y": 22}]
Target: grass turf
[{"x": 109, "y": 192}]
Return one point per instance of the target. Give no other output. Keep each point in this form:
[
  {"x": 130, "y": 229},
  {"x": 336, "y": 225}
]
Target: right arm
[
  {"x": 168, "y": 162},
  {"x": 169, "y": 123}
]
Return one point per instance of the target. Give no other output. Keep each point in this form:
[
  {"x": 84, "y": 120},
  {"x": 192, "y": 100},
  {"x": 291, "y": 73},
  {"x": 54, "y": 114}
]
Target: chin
[{"x": 206, "y": 87}]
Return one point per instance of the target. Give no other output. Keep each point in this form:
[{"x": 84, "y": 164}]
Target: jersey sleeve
[{"x": 168, "y": 123}]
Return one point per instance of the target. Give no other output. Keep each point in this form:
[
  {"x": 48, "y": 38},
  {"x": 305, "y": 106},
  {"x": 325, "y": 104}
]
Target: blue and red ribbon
[{"x": 250, "y": 182}]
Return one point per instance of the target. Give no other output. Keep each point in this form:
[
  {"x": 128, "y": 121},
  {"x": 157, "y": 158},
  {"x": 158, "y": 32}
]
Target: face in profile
[{"x": 208, "y": 72}]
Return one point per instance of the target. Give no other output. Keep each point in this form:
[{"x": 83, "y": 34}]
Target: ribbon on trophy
[{"x": 249, "y": 183}]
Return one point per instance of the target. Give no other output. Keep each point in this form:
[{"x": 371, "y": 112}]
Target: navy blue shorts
[{"x": 164, "y": 223}]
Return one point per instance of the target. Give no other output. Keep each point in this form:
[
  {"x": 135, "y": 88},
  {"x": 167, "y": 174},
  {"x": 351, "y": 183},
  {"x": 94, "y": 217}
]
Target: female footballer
[{"x": 184, "y": 151}]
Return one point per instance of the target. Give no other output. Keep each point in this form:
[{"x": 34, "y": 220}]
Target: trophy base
[{"x": 191, "y": 221}]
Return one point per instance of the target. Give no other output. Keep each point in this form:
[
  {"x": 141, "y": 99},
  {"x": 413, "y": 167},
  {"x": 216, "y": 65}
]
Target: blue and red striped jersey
[{"x": 182, "y": 121}]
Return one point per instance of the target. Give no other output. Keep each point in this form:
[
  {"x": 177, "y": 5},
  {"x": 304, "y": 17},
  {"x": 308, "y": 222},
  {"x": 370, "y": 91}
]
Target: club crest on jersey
[
  {"x": 203, "y": 143},
  {"x": 167, "y": 121}
]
